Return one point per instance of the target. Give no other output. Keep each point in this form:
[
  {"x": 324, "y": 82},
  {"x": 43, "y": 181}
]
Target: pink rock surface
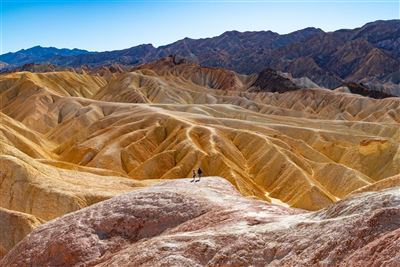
[{"x": 178, "y": 223}]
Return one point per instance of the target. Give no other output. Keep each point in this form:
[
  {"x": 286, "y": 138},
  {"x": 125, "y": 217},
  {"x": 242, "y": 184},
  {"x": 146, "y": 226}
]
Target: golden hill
[{"x": 68, "y": 140}]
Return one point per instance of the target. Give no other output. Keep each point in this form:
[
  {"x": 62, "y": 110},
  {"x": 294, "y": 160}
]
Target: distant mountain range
[
  {"x": 369, "y": 54},
  {"x": 38, "y": 54}
]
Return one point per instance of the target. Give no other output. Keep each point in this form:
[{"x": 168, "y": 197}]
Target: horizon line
[{"x": 200, "y": 38}]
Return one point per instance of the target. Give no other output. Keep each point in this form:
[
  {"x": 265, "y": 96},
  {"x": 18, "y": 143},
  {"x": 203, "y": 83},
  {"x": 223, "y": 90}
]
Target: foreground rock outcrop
[{"x": 179, "y": 223}]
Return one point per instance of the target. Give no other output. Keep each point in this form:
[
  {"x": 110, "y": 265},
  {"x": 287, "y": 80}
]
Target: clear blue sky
[{"x": 109, "y": 25}]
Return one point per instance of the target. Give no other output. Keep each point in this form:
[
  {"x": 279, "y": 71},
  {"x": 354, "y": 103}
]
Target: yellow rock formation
[{"x": 68, "y": 140}]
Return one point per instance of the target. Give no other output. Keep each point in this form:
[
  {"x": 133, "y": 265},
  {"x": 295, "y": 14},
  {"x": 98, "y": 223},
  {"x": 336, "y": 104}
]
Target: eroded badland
[{"x": 69, "y": 140}]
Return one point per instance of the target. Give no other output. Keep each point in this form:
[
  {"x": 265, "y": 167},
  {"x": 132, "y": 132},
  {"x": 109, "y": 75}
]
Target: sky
[{"x": 103, "y": 25}]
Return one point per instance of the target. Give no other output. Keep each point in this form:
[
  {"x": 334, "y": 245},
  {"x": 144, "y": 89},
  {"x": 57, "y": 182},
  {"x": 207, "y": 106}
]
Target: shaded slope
[{"x": 14, "y": 227}]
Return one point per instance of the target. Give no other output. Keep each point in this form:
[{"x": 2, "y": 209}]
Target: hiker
[
  {"x": 199, "y": 173},
  {"x": 194, "y": 176}
]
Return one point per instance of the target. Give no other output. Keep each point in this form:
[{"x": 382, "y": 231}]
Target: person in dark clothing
[
  {"x": 194, "y": 176},
  {"x": 199, "y": 173}
]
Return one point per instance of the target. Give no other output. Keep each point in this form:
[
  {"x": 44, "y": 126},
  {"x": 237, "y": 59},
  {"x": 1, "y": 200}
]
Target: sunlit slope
[
  {"x": 170, "y": 83},
  {"x": 261, "y": 154},
  {"x": 46, "y": 191},
  {"x": 25, "y": 94},
  {"x": 35, "y": 186},
  {"x": 306, "y": 148}
]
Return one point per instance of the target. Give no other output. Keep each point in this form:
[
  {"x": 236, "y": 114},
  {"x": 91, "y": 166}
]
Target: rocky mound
[
  {"x": 361, "y": 89},
  {"x": 271, "y": 81},
  {"x": 208, "y": 223}
]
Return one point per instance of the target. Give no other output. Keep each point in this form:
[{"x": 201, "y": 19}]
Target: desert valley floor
[{"x": 309, "y": 176}]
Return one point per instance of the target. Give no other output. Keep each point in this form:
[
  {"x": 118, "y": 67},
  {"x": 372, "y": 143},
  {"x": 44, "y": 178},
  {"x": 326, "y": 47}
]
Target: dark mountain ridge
[
  {"x": 368, "y": 53},
  {"x": 39, "y": 54}
]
